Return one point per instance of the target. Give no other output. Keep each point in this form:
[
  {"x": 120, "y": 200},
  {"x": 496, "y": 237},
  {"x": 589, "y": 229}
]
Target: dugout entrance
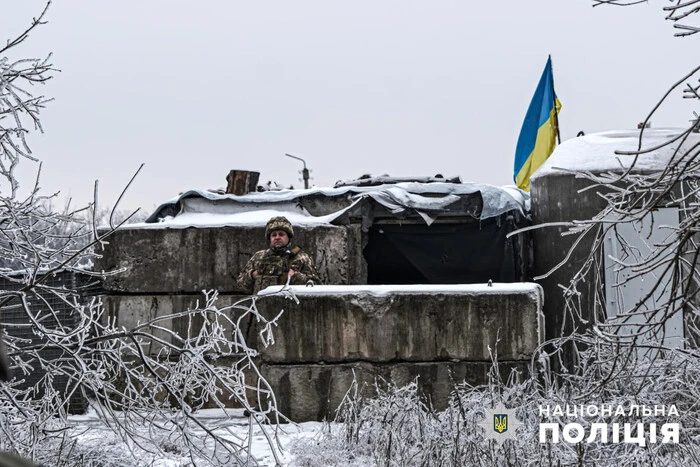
[{"x": 441, "y": 253}]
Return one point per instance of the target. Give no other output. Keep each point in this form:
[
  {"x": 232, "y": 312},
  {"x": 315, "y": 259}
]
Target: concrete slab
[
  {"x": 194, "y": 259},
  {"x": 314, "y": 392},
  {"x": 455, "y": 324}
]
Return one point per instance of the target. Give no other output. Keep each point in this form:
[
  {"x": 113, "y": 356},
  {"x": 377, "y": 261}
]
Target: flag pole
[{"x": 554, "y": 98}]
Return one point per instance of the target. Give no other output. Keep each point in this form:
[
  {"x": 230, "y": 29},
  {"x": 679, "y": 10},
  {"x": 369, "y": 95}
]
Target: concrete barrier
[
  {"x": 404, "y": 323},
  {"x": 159, "y": 260},
  {"x": 315, "y": 391},
  {"x": 440, "y": 334}
]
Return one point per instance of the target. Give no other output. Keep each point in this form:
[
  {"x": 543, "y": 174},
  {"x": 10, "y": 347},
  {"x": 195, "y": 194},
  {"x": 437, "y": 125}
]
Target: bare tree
[
  {"x": 145, "y": 383},
  {"x": 679, "y": 13}
]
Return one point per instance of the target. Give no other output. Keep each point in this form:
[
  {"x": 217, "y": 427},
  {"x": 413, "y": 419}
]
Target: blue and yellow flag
[{"x": 539, "y": 132}]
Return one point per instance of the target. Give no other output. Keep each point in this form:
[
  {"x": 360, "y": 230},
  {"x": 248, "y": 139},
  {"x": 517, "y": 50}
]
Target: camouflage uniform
[{"x": 274, "y": 264}]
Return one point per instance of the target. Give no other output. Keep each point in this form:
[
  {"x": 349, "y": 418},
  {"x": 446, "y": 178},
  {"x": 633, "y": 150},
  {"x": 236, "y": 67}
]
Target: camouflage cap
[{"x": 279, "y": 223}]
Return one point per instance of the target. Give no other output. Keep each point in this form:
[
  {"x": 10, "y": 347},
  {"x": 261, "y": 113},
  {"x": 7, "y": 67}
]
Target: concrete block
[
  {"x": 134, "y": 310},
  {"x": 159, "y": 260},
  {"x": 131, "y": 311},
  {"x": 405, "y": 323},
  {"x": 314, "y": 392},
  {"x": 438, "y": 334}
]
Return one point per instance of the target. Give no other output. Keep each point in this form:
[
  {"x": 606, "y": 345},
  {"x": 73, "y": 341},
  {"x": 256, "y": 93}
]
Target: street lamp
[{"x": 304, "y": 171}]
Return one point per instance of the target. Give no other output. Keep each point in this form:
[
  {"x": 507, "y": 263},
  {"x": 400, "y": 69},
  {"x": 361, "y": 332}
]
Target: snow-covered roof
[
  {"x": 200, "y": 208},
  {"x": 252, "y": 217},
  {"x": 596, "y": 152},
  {"x": 367, "y": 180}
]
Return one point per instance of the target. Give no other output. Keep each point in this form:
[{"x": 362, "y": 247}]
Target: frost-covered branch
[{"x": 681, "y": 10}]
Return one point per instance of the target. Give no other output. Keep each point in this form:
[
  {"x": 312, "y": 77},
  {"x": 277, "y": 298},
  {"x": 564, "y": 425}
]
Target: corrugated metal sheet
[{"x": 51, "y": 304}]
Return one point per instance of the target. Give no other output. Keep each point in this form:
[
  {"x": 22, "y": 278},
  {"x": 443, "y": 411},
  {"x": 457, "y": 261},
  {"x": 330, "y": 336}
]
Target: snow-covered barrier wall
[{"x": 440, "y": 334}]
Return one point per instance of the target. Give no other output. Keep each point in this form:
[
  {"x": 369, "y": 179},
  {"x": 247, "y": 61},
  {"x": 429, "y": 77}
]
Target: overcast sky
[{"x": 196, "y": 88}]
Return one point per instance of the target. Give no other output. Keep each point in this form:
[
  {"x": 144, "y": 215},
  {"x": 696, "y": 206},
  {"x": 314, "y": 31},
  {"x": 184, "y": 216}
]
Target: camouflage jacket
[{"x": 273, "y": 265}]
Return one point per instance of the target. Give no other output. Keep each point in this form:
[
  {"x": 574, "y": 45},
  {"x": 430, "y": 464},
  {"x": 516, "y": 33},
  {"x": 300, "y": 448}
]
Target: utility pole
[{"x": 304, "y": 171}]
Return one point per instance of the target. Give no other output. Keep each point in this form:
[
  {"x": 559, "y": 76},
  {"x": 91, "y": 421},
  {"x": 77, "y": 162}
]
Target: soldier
[{"x": 281, "y": 260}]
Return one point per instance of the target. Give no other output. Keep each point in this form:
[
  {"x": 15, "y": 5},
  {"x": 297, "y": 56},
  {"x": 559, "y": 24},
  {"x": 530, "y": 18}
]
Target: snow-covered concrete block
[
  {"x": 441, "y": 334},
  {"x": 409, "y": 323}
]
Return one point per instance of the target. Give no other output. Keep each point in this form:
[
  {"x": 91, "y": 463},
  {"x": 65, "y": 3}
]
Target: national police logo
[{"x": 500, "y": 423}]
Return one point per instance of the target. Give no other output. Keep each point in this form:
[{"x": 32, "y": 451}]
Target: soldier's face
[{"x": 278, "y": 238}]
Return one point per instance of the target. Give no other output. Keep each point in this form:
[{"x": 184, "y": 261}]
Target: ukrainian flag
[{"x": 539, "y": 132}]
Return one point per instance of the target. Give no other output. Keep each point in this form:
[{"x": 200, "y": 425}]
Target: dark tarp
[{"x": 465, "y": 253}]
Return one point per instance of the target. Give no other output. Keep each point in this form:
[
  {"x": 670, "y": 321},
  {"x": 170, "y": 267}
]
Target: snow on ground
[{"x": 230, "y": 424}]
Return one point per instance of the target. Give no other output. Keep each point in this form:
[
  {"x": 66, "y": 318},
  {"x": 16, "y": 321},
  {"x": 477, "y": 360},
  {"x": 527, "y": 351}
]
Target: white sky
[{"x": 194, "y": 89}]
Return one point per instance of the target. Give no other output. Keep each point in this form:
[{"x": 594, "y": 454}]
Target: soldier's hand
[
  {"x": 291, "y": 272},
  {"x": 255, "y": 274}
]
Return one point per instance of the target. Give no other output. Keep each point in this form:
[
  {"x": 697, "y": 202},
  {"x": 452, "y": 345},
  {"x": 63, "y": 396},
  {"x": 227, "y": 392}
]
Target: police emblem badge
[{"x": 500, "y": 423}]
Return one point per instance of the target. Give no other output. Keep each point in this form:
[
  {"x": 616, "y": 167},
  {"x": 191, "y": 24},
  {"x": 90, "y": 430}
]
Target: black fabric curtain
[{"x": 466, "y": 253}]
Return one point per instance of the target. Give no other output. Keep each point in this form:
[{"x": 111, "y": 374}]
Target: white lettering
[
  {"x": 634, "y": 409},
  {"x": 573, "y": 412},
  {"x": 652, "y": 433},
  {"x": 568, "y": 428},
  {"x": 553, "y": 427},
  {"x": 601, "y": 428},
  {"x": 615, "y": 432},
  {"x": 639, "y": 439},
  {"x": 670, "y": 432}
]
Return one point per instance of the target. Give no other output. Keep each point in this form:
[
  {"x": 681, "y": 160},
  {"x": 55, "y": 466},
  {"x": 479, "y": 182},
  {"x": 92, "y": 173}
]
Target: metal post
[
  {"x": 556, "y": 113},
  {"x": 304, "y": 171}
]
